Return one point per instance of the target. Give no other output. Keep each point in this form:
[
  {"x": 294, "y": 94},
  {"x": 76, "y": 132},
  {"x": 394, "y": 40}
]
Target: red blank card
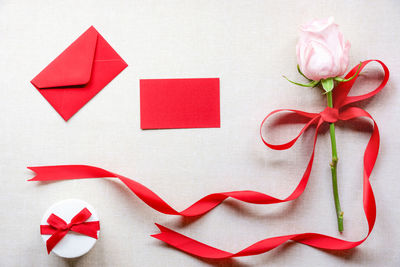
[{"x": 179, "y": 103}]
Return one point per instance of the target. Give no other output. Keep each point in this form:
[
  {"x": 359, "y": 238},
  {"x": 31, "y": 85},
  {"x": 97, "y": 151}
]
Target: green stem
[{"x": 339, "y": 212}]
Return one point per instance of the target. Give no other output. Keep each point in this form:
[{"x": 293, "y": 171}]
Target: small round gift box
[{"x": 70, "y": 228}]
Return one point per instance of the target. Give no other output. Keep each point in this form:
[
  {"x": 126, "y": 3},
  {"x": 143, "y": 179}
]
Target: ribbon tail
[
  {"x": 87, "y": 228},
  {"x": 68, "y": 172},
  {"x": 54, "y": 239},
  {"x": 196, "y": 248},
  {"x": 72, "y": 172},
  {"x": 189, "y": 245},
  {"x": 47, "y": 230},
  {"x": 370, "y": 156},
  {"x": 202, "y": 206},
  {"x": 316, "y": 240}
]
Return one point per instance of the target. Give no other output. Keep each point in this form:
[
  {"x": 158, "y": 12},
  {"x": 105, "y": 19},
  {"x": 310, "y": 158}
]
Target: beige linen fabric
[{"x": 249, "y": 45}]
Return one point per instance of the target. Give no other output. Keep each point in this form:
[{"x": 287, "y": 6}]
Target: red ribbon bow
[
  {"x": 340, "y": 111},
  {"x": 58, "y": 228}
]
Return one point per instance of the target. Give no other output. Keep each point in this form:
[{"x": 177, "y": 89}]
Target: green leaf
[
  {"x": 327, "y": 84},
  {"x": 311, "y": 84}
]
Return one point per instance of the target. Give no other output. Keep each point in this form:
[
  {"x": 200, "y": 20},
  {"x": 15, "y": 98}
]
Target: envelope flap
[{"x": 73, "y": 66}]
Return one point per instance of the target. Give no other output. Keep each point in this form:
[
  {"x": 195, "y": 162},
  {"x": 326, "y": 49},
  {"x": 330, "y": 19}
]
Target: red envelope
[
  {"x": 79, "y": 73},
  {"x": 179, "y": 103}
]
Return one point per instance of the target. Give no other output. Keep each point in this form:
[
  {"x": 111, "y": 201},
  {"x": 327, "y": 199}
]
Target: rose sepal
[
  {"x": 311, "y": 84},
  {"x": 339, "y": 79},
  {"x": 327, "y": 84}
]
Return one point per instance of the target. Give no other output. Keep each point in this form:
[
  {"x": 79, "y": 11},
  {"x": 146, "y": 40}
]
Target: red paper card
[{"x": 179, "y": 103}]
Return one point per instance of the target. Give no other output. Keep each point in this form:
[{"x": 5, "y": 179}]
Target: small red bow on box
[{"x": 58, "y": 228}]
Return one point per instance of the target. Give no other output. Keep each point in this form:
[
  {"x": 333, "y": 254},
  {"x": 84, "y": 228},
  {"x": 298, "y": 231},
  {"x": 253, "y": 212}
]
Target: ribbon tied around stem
[
  {"x": 330, "y": 115},
  {"x": 341, "y": 111},
  {"x": 58, "y": 228}
]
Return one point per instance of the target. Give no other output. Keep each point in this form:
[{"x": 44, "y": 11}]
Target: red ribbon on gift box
[
  {"x": 340, "y": 111},
  {"x": 58, "y": 228}
]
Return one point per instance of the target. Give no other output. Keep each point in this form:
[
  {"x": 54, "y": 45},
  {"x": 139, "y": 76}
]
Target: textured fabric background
[{"x": 249, "y": 45}]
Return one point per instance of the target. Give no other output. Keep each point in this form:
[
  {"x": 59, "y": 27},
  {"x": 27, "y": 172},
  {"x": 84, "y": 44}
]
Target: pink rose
[{"x": 321, "y": 50}]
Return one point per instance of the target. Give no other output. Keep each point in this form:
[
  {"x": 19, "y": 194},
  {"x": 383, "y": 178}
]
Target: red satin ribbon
[
  {"x": 58, "y": 228},
  {"x": 340, "y": 111}
]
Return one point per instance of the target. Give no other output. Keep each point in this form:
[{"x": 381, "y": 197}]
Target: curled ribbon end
[
  {"x": 156, "y": 235},
  {"x": 32, "y": 169},
  {"x": 160, "y": 234},
  {"x": 161, "y": 228},
  {"x": 49, "y": 246}
]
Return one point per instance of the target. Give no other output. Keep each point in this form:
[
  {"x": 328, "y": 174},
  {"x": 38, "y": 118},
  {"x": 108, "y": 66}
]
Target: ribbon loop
[
  {"x": 340, "y": 94},
  {"x": 82, "y": 216},
  {"x": 56, "y": 221},
  {"x": 312, "y": 119}
]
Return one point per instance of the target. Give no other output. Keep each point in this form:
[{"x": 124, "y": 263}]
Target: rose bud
[{"x": 321, "y": 50}]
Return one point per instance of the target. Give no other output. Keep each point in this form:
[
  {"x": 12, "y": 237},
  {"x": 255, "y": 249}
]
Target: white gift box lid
[{"x": 73, "y": 244}]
